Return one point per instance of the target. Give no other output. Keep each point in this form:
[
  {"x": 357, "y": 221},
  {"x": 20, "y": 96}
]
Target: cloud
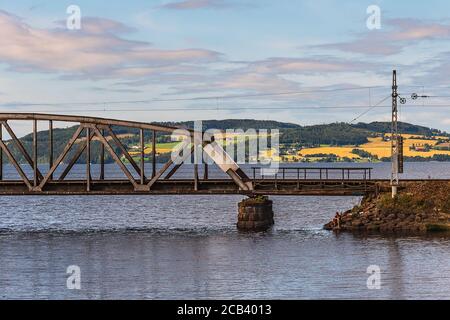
[
  {"x": 271, "y": 75},
  {"x": 101, "y": 89},
  {"x": 102, "y": 26},
  {"x": 196, "y": 4},
  {"x": 100, "y": 50},
  {"x": 394, "y": 37},
  {"x": 432, "y": 72},
  {"x": 318, "y": 64},
  {"x": 97, "y": 50},
  {"x": 257, "y": 82}
]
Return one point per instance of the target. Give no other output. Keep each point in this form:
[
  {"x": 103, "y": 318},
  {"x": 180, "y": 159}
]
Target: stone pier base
[{"x": 255, "y": 214}]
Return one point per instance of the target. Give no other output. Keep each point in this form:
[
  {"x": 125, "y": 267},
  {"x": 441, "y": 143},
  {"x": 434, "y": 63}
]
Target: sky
[{"x": 306, "y": 62}]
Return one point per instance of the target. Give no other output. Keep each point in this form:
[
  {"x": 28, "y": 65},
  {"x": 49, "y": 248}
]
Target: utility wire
[
  {"x": 227, "y": 109},
  {"x": 188, "y": 99},
  {"x": 370, "y": 108}
]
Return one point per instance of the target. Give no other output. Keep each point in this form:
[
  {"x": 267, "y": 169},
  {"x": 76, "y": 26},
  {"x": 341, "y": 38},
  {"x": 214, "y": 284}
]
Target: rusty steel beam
[
  {"x": 35, "y": 154},
  {"x": 205, "y": 171},
  {"x": 167, "y": 166},
  {"x": 160, "y": 173},
  {"x": 172, "y": 171},
  {"x": 102, "y": 158},
  {"x": 15, "y": 164},
  {"x": 20, "y": 147},
  {"x": 76, "y": 156},
  {"x": 1, "y": 153},
  {"x": 236, "y": 179},
  {"x": 141, "y": 138},
  {"x": 88, "y": 159},
  {"x": 196, "y": 177},
  {"x": 61, "y": 156},
  {"x": 153, "y": 153},
  {"x": 124, "y": 150},
  {"x": 115, "y": 157},
  {"x": 177, "y": 166},
  {"x": 185, "y": 186},
  {"x": 92, "y": 120},
  {"x": 50, "y": 145}
]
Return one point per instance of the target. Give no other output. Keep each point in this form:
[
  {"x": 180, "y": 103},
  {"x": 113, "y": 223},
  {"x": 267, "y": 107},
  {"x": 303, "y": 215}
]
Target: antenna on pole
[{"x": 395, "y": 137}]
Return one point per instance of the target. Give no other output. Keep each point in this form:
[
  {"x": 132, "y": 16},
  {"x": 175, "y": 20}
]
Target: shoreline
[{"x": 421, "y": 207}]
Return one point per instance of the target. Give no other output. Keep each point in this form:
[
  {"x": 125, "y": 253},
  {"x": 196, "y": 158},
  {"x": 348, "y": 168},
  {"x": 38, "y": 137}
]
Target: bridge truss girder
[{"x": 101, "y": 130}]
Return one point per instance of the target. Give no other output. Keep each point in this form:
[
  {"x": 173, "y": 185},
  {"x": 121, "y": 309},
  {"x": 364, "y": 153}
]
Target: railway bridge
[{"x": 35, "y": 180}]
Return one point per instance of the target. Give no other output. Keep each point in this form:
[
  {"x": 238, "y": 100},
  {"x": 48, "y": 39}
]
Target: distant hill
[
  {"x": 333, "y": 134},
  {"x": 385, "y": 127},
  {"x": 243, "y": 124},
  {"x": 336, "y": 134}
]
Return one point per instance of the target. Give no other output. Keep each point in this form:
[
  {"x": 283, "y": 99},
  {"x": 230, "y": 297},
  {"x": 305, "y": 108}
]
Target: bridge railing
[{"x": 308, "y": 173}]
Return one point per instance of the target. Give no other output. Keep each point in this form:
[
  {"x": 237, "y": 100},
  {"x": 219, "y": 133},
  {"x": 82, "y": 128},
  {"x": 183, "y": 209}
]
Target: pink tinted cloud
[
  {"x": 97, "y": 49},
  {"x": 100, "y": 50},
  {"x": 103, "y": 26},
  {"x": 270, "y": 75},
  {"x": 195, "y": 4},
  {"x": 393, "y": 37},
  {"x": 414, "y": 29},
  {"x": 286, "y": 66}
]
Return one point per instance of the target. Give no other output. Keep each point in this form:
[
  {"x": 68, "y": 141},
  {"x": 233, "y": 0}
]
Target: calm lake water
[{"x": 187, "y": 247}]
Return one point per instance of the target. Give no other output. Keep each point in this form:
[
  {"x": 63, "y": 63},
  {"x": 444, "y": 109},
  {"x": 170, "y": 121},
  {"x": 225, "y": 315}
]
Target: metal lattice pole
[{"x": 394, "y": 137}]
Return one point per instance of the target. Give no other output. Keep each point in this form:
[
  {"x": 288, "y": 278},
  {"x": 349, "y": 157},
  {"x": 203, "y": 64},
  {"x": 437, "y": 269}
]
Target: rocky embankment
[{"x": 419, "y": 207}]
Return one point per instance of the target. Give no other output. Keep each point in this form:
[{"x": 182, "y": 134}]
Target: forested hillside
[{"x": 334, "y": 134}]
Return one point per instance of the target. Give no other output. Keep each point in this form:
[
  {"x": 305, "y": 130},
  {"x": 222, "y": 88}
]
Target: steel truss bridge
[{"x": 288, "y": 181}]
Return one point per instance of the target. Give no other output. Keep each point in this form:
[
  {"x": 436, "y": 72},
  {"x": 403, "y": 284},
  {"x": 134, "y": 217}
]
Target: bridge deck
[
  {"x": 211, "y": 186},
  {"x": 181, "y": 186}
]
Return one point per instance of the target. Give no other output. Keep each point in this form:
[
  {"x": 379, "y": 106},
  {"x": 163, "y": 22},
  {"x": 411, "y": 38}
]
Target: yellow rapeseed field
[
  {"x": 378, "y": 147},
  {"x": 339, "y": 151},
  {"x": 270, "y": 154}
]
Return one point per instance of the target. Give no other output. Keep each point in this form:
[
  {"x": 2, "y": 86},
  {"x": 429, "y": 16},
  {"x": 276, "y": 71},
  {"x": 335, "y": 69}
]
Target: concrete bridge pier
[{"x": 255, "y": 214}]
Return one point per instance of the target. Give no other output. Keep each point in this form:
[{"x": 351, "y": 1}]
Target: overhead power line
[
  {"x": 238, "y": 96},
  {"x": 293, "y": 108},
  {"x": 370, "y": 108}
]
